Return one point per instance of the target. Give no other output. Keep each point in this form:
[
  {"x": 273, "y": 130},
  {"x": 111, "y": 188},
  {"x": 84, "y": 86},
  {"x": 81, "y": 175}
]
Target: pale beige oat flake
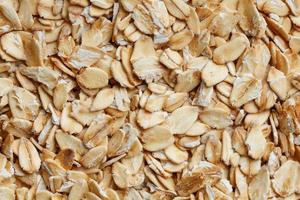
[{"x": 149, "y": 99}]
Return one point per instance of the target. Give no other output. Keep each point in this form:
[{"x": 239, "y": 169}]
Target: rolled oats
[
  {"x": 244, "y": 90},
  {"x": 6, "y": 85},
  {"x": 43, "y": 75},
  {"x": 259, "y": 185},
  {"x": 277, "y": 7},
  {"x": 29, "y": 158},
  {"x": 285, "y": 178},
  {"x": 278, "y": 83},
  {"x": 7, "y": 10},
  {"x": 177, "y": 8},
  {"x": 143, "y": 53},
  {"x": 92, "y": 78},
  {"x": 120, "y": 75},
  {"x": 149, "y": 99},
  {"x": 171, "y": 59},
  {"x": 142, "y": 19},
  {"x": 182, "y": 119},
  {"x": 12, "y": 44},
  {"x": 157, "y": 138},
  {"x": 176, "y": 155},
  {"x": 213, "y": 74},
  {"x": 181, "y": 39},
  {"x": 231, "y": 50},
  {"x": 255, "y": 142},
  {"x": 215, "y": 118},
  {"x": 103, "y": 99}
]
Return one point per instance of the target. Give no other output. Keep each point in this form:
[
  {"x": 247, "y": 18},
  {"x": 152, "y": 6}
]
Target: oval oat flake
[
  {"x": 29, "y": 158},
  {"x": 244, "y": 90},
  {"x": 157, "y": 138},
  {"x": 216, "y": 118},
  {"x": 92, "y": 78},
  {"x": 182, "y": 119}
]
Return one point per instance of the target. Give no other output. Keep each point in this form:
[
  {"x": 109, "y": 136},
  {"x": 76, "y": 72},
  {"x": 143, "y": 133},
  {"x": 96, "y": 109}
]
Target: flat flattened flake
[
  {"x": 23, "y": 104},
  {"x": 105, "y": 4},
  {"x": 115, "y": 142},
  {"x": 5, "y": 56},
  {"x": 226, "y": 147},
  {"x": 176, "y": 155},
  {"x": 174, "y": 101},
  {"x": 78, "y": 190},
  {"x": 197, "y": 129},
  {"x": 182, "y": 119},
  {"x": 91, "y": 38},
  {"x": 259, "y": 185},
  {"x": 7, "y": 9},
  {"x": 6, "y": 85},
  {"x": 245, "y": 89},
  {"x": 119, "y": 74},
  {"x": 43, "y": 75},
  {"x": 216, "y": 118},
  {"x": 286, "y": 178},
  {"x": 60, "y": 95},
  {"x": 277, "y": 28},
  {"x": 142, "y": 19},
  {"x": 84, "y": 57},
  {"x": 171, "y": 59},
  {"x": 66, "y": 158},
  {"x": 187, "y": 80},
  {"x": 99, "y": 34},
  {"x": 127, "y": 66},
  {"x": 7, "y": 193},
  {"x": 25, "y": 13},
  {"x": 224, "y": 22},
  {"x": 12, "y": 44},
  {"x": 29, "y": 158},
  {"x": 277, "y": 7},
  {"x": 147, "y": 120},
  {"x": 92, "y": 78},
  {"x": 67, "y": 141},
  {"x": 241, "y": 184},
  {"x": 294, "y": 44},
  {"x": 256, "y": 118},
  {"x": 157, "y": 138},
  {"x": 94, "y": 156},
  {"x": 177, "y": 8},
  {"x": 204, "y": 173},
  {"x": 252, "y": 23},
  {"x": 213, "y": 74},
  {"x": 129, "y": 4},
  {"x": 122, "y": 100},
  {"x": 103, "y": 99},
  {"x": 69, "y": 124},
  {"x": 159, "y": 13},
  {"x": 213, "y": 149},
  {"x": 231, "y": 50},
  {"x": 145, "y": 61},
  {"x": 155, "y": 102},
  {"x": 82, "y": 114},
  {"x": 120, "y": 175},
  {"x": 181, "y": 39},
  {"x": 157, "y": 88},
  {"x": 255, "y": 60},
  {"x": 35, "y": 51},
  {"x": 204, "y": 95},
  {"x": 256, "y": 142},
  {"x": 193, "y": 21},
  {"x": 278, "y": 83}
]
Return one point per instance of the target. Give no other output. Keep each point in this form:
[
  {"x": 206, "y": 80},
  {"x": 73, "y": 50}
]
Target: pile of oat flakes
[{"x": 150, "y": 99}]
